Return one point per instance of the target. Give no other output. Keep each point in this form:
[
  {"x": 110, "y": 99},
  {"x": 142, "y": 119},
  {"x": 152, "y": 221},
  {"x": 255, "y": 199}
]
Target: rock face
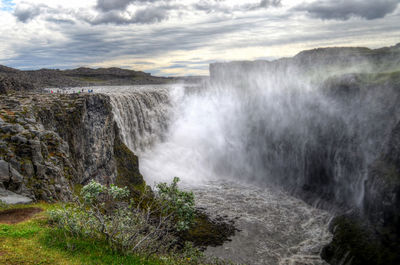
[
  {"x": 325, "y": 126},
  {"x": 373, "y": 235},
  {"x": 51, "y": 144}
]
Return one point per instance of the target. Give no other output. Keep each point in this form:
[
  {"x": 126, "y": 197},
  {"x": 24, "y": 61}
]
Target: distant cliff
[
  {"x": 74, "y": 78},
  {"x": 331, "y": 61}
]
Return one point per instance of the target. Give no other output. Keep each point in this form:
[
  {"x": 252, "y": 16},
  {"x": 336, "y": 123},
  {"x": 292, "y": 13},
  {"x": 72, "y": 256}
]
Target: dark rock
[{"x": 19, "y": 139}]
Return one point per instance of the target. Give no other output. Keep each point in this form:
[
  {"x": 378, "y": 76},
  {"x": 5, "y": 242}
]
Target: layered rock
[{"x": 54, "y": 143}]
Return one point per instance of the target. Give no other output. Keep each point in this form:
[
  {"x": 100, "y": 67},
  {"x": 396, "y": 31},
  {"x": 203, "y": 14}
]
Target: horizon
[
  {"x": 181, "y": 38},
  {"x": 190, "y": 75}
]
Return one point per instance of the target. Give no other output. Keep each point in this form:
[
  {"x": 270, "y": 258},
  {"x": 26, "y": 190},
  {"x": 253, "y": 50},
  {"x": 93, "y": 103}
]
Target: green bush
[
  {"x": 180, "y": 203},
  {"x": 144, "y": 226}
]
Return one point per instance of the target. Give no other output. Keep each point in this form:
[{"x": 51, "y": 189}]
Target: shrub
[
  {"x": 144, "y": 226},
  {"x": 180, "y": 203}
]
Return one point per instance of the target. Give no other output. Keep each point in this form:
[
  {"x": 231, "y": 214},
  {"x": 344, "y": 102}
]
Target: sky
[{"x": 181, "y": 37}]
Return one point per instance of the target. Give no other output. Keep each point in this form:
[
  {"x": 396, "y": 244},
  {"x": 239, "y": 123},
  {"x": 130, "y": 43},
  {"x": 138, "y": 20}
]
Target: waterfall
[
  {"x": 311, "y": 131},
  {"x": 315, "y": 137},
  {"x": 142, "y": 114},
  {"x": 313, "y": 134}
]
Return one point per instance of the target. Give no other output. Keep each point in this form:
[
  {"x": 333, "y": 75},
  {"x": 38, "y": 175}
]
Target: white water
[{"x": 275, "y": 228}]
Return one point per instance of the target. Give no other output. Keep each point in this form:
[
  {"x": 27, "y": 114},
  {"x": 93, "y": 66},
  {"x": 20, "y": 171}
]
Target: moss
[
  {"x": 206, "y": 232},
  {"x": 77, "y": 189},
  {"x": 127, "y": 168},
  {"x": 354, "y": 243},
  {"x": 25, "y": 110},
  {"x": 88, "y": 79}
]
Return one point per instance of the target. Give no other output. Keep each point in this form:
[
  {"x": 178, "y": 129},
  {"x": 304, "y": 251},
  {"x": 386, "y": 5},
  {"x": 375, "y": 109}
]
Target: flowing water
[
  {"x": 274, "y": 228},
  {"x": 178, "y": 131}
]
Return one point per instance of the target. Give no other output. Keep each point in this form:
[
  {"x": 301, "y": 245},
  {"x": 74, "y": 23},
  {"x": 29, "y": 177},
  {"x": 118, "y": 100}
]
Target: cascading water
[
  {"x": 235, "y": 141},
  {"x": 141, "y": 113}
]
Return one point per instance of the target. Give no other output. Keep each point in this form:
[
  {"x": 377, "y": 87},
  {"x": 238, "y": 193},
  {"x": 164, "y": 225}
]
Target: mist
[{"x": 308, "y": 130}]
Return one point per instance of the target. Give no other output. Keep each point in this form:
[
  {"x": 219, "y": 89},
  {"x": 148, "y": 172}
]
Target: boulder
[{"x": 9, "y": 197}]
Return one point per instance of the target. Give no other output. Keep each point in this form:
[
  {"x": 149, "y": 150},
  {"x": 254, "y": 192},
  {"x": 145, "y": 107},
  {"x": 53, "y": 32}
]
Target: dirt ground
[{"x": 14, "y": 216}]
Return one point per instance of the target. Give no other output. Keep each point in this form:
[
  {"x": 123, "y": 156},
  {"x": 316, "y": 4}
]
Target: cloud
[
  {"x": 170, "y": 34},
  {"x": 147, "y": 15},
  {"x": 108, "y": 5},
  {"x": 25, "y": 12},
  {"x": 210, "y": 6},
  {"x": 345, "y": 9},
  {"x": 268, "y": 3},
  {"x": 151, "y": 15}
]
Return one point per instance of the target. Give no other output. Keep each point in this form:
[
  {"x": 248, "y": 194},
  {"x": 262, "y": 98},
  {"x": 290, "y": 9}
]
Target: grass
[{"x": 36, "y": 242}]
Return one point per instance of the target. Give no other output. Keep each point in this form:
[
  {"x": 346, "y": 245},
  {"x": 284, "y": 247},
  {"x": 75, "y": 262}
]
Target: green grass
[
  {"x": 36, "y": 242},
  {"x": 17, "y": 231}
]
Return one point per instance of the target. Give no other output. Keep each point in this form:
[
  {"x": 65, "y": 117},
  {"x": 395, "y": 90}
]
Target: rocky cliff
[{"x": 51, "y": 144}]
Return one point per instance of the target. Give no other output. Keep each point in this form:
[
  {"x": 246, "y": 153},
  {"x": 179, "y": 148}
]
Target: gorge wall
[
  {"x": 51, "y": 144},
  {"x": 324, "y": 125}
]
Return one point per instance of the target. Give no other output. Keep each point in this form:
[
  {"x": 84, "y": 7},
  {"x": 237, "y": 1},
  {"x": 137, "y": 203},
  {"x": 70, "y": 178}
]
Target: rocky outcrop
[{"x": 52, "y": 143}]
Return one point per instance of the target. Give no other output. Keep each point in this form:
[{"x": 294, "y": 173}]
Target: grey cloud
[
  {"x": 268, "y": 3},
  {"x": 60, "y": 21},
  {"x": 146, "y": 15},
  {"x": 25, "y": 13},
  {"x": 109, "y": 5},
  {"x": 151, "y": 15},
  {"x": 345, "y": 9}
]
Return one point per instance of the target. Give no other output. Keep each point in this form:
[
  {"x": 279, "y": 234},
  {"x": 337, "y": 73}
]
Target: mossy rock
[
  {"x": 206, "y": 232},
  {"x": 355, "y": 243},
  {"x": 127, "y": 163}
]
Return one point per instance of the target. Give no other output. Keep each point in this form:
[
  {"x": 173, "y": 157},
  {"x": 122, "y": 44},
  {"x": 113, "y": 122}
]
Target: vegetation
[
  {"x": 104, "y": 227},
  {"x": 146, "y": 226}
]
